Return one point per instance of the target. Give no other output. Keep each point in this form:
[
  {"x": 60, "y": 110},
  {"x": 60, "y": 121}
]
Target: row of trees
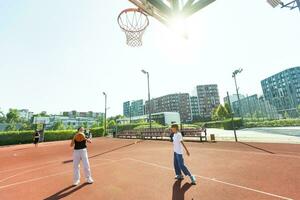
[
  {"x": 13, "y": 121},
  {"x": 224, "y": 112}
]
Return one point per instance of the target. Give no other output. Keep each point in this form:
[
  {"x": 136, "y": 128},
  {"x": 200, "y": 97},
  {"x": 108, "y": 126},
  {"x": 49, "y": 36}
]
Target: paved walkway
[{"x": 272, "y": 135}]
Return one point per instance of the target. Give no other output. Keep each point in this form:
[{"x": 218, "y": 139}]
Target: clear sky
[{"x": 62, "y": 54}]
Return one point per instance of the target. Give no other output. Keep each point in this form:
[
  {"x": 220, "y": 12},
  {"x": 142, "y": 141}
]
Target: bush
[
  {"x": 125, "y": 127},
  {"x": 228, "y": 125},
  {"x": 16, "y": 137},
  {"x": 55, "y": 135},
  {"x": 146, "y": 125},
  {"x": 23, "y": 137},
  {"x": 273, "y": 123},
  {"x": 97, "y": 132}
]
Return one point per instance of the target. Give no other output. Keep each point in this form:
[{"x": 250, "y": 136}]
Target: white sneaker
[
  {"x": 89, "y": 180},
  {"x": 76, "y": 183},
  {"x": 193, "y": 180}
]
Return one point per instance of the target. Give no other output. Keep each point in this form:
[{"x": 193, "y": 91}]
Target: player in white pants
[{"x": 80, "y": 153}]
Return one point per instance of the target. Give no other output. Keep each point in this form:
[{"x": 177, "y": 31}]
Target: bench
[
  {"x": 200, "y": 132},
  {"x": 129, "y": 134},
  {"x": 153, "y": 133}
]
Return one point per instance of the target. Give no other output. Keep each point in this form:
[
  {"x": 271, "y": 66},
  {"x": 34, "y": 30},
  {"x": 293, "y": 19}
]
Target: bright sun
[{"x": 176, "y": 44}]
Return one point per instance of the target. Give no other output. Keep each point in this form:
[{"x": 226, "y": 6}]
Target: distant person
[
  {"x": 178, "y": 157},
  {"x": 80, "y": 153},
  {"x": 36, "y": 138}
]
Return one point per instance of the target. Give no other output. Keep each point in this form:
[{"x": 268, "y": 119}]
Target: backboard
[
  {"x": 41, "y": 120},
  {"x": 172, "y": 13},
  {"x": 164, "y": 10}
]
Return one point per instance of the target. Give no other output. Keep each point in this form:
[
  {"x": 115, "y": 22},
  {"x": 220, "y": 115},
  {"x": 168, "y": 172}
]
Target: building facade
[
  {"x": 75, "y": 113},
  {"x": 133, "y": 108},
  {"x": 179, "y": 102},
  {"x": 163, "y": 118},
  {"x": 282, "y": 90},
  {"x": 208, "y": 97},
  {"x": 25, "y": 114},
  {"x": 137, "y": 108},
  {"x": 195, "y": 108},
  {"x": 254, "y": 107},
  {"x": 233, "y": 98},
  {"x": 126, "y": 108}
]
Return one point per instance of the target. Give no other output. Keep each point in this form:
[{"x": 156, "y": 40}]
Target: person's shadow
[
  {"x": 65, "y": 192},
  {"x": 178, "y": 191}
]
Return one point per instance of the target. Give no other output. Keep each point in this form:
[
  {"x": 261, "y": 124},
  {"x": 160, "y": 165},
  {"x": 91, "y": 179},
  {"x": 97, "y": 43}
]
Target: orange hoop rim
[{"x": 133, "y": 10}]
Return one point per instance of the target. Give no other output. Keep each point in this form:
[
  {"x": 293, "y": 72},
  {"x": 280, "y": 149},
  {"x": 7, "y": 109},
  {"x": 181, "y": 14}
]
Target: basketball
[{"x": 79, "y": 137}]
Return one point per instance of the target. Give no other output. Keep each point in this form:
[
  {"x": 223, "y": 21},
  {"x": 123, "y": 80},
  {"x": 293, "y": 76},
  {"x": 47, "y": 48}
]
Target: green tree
[
  {"x": 11, "y": 127},
  {"x": 2, "y": 117},
  {"x": 214, "y": 115},
  {"x": 95, "y": 125},
  {"x": 26, "y": 126},
  {"x": 221, "y": 112},
  {"x": 58, "y": 125},
  {"x": 298, "y": 109},
  {"x": 43, "y": 114},
  {"x": 85, "y": 124},
  {"x": 12, "y": 116},
  {"x": 111, "y": 123},
  {"x": 228, "y": 108},
  {"x": 286, "y": 115},
  {"x": 70, "y": 126}
]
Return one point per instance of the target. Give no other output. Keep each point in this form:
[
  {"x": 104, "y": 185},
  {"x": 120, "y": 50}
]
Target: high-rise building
[
  {"x": 137, "y": 108},
  {"x": 282, "y": 90},
  {"x": 208, "y": 97},
  {"x": 179, "y": 102},
  {"x": 133, "y": 108},
  {"x": 195, "y": 108},
  {"x": 232, "y": 99},
  {"x": 126, "y": 109}
]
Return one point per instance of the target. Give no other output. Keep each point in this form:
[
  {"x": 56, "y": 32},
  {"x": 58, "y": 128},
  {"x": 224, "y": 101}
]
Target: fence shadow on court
[
  {"x": 65, "y": 192},
  {"x": 249, "y": 145},
  {"x": 178, "y": 191}
]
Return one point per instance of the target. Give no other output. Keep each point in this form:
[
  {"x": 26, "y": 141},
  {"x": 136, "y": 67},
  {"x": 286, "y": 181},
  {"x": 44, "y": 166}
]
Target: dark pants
[{"x": 179, "y": 165}]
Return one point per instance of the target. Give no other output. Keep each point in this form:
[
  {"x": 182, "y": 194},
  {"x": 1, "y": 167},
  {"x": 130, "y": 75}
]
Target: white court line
[
  {"x": 31, "y": 170},
  {"x": 213, "y": 179},
  {"x": 57, "y": 174},
  {"x": 8, "y": 170},
  {"x": 24, "y": 172}
]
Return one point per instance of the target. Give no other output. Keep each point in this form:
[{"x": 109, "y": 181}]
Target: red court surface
[{"x": 131, "y": 169}]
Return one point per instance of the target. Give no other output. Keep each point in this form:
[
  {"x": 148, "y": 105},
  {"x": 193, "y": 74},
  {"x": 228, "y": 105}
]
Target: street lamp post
[
  {"x": 105, "y": 109},
  {"x": 237, "y": 90},
  {"x": 149, "y": 101}
]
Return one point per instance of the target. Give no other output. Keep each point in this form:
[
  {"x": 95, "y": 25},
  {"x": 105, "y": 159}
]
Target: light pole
[
  {"x": 237, "y": 90},
  {"x": 105, "y": 109},
  {"x": 149, "y": 102}
]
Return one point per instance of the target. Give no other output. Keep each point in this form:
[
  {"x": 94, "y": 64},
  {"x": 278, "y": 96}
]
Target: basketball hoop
[{"x": 133, "y": 21}]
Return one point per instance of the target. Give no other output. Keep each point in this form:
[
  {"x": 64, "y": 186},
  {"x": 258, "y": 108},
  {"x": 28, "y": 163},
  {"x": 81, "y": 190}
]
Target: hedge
[
  {"x": 273, "y": 123},
  {"x": 124, "y": 127},
  {"x": 226, "y": 124},
  {"x": 23, "y": 137}
]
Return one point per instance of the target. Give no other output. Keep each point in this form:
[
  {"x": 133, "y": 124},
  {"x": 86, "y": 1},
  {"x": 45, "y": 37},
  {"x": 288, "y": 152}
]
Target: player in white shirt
[{"x": 178, "y": 157}]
